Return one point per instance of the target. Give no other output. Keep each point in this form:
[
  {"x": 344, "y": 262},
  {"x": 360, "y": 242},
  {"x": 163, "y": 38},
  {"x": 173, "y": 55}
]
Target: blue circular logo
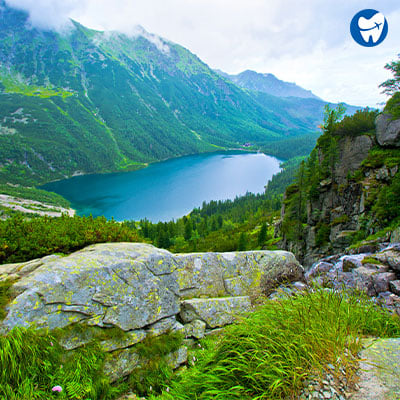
[{"x": 369, "y": 28}]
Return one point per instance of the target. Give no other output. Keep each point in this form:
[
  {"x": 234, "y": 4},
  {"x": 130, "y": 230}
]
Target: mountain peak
[{"x": 268, "y": 83}]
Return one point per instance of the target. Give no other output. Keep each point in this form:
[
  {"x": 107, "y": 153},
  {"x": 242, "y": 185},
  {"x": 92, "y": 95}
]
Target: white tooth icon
[{"x": 372, "y": 27}]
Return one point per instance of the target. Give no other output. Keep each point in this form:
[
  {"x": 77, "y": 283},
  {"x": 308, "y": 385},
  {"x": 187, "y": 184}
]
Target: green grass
[
  {"x": 32, "y": 363},
  {"x": 369, "y": 260},
  {"x": 155, "y": 371},
  {"x": 270, "y": 354},
  {"x": 14, "y": 86},
  {"x": 4, "y": 297}
]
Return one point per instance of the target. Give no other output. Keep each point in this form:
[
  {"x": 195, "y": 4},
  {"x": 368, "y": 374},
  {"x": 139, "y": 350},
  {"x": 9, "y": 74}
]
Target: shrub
[
  {"x": 361, "y": 122},
  {"x": 22, "y": 239},
  {"x": 322, "y": 235}
]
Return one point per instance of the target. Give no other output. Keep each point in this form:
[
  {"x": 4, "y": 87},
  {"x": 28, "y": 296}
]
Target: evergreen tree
[
  {"x": 188, "y": 229},
  {"x": 391, "y": 86},
  {"x": 242, "y": 244},
  {"x": 262, "y": 235}
]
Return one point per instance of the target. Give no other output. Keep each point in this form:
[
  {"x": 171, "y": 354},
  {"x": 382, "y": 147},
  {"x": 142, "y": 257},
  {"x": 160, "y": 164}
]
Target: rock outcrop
[
  {"x": 387, "y": 130},
  {"x": 379, "y": 375},
  {"x": 138, "y": 291},
  {"x": 342, "y": 205},
  {"x": 377, "y": 274}
]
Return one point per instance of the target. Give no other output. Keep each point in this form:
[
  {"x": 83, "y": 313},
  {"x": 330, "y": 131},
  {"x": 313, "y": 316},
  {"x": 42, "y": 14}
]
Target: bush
[
  {"x": 393, "y": 106},
  {"x": 22, "y": 239},
  {"x": 322, "y": 235},
  {"x": 363, "y": 121}
]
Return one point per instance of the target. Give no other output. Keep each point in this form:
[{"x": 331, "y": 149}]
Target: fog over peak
[
  {"x": 309, "y": 44},
  {"x": 47, "y": 14}
]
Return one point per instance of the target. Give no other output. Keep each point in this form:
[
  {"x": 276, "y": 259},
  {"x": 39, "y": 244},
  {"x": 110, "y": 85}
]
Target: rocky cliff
[
  {"x": 354, "y": 197},
  {"x": 118, "y": 294}
]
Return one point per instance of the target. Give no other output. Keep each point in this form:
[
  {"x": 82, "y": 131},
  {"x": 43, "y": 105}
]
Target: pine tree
[
  {"x": 262, "y": 235},
  {"x": 242, "y": 244}
]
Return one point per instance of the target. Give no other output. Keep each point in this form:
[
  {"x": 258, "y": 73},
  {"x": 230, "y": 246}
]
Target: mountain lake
[{"x": 168, "y": 189}]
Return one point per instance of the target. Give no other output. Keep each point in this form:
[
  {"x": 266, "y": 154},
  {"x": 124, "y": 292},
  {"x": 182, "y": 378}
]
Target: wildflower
[
  {"x": 57, "y": 389},
  {"x": 51, "y": 344},
  {"x": 167, "y": 389}
]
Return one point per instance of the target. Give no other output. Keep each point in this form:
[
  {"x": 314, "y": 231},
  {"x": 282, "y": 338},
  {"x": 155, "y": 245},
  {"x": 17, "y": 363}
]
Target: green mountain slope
[{"x": 89, "y": 101}]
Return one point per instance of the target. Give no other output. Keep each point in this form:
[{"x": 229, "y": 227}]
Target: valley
[{"x": 169, "y": 231}]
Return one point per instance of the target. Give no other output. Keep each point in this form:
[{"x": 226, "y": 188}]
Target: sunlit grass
[{"x": 271, "y": 353}]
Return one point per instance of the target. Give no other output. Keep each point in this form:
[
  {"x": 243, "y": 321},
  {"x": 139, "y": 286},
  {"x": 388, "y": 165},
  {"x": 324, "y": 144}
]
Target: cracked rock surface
[
  {"x": 120, "y": 293},
  {"x": 103, "y": 285}
]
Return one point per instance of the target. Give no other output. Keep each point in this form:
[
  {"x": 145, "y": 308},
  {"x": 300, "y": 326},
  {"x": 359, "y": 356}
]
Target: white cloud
[
  {"x": 47, "y": 14},
  {"x": 304, "y": 42}
]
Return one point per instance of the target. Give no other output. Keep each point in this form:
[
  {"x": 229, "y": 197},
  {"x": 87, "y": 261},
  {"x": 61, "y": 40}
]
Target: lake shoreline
[
  {"x": 147, "y": 164},
  {"x": 169, "y": 189}
]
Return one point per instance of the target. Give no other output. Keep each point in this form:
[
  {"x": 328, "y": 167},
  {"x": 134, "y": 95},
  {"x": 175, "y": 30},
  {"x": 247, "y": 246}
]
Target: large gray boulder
[
  {"x": 123, "y": 285},
  {"x": 247, "y": 273},
  {"x": 387, "y": 130},
  {"x": 119, "y": 294}
]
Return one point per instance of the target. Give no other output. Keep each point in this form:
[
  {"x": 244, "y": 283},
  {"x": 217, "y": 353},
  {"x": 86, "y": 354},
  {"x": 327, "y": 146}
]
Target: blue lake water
[{"x": 168, "y": 189}]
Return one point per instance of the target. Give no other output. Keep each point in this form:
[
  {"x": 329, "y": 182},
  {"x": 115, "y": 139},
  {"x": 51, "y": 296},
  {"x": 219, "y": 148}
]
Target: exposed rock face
[
  {"x": 379, "y": 371},
  {"x": 104, "y": 285},
  {"x": 235, "y": 274},
  {"x": 341, "y": 205},
  {"x": 215, "y": 312},
  {"x": 352, "y": 152},
  {"x": 387, "y": 130},
  {"x": 139, "y": 291}
]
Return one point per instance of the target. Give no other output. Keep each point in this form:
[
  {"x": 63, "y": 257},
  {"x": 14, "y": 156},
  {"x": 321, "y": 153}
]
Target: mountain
[
  {"x": 88, "y": 101},
  {"x": 268, "y": 83}
]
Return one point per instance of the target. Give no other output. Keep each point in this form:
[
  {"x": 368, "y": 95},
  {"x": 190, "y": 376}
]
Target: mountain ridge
[
  {"x": 268, "y": 83},
  {"x": 91, "y": 101}
]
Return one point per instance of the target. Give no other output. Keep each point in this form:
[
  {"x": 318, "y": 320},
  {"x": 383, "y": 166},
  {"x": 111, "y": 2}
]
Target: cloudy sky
[{"x": 307, "y": 44}]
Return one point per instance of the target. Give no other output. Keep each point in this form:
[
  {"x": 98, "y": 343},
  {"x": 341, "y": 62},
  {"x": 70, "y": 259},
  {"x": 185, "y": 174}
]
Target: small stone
[
  {"x": 395, "y": 287},
  {"x": 195, "y": 329}
]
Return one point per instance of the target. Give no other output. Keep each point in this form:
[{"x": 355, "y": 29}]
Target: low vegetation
[
  {"x": 24, "y": 239},
  {"x": 271, "y": 353},
  {"x": 267, "y": 355},
  {"x": 32, "y": 364}
]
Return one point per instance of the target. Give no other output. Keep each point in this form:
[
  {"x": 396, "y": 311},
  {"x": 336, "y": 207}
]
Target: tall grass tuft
[
  {"x": 271, "y": 353},
  {"x": 32, "y": 363}
]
